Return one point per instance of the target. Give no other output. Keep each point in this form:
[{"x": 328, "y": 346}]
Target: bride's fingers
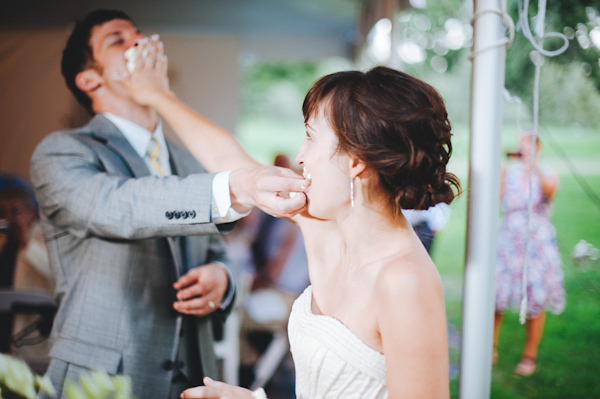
[
  {"x": 212, "y": 389},
  {"x": 161, "y": 59},
  {"x": 160, "y": 50},
  {"x": 281, "y": 206},
  {"x": 200, "y": 393},
  {"x": 152, "y": 50},
  {"x": 139, "y": 54},
  {"x": 209, "y": 382}
]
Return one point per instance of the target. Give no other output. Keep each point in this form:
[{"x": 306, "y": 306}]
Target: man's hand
[
  {"x": 268, "y": 187},
  {"x": 148, "y": 82},
  {"x": 217, "y": 390},
  {"x": 201, "y": 290}
]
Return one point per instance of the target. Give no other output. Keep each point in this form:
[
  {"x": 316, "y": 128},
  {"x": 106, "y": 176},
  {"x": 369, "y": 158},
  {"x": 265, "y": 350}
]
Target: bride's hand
[
  {"x": 148, "y": 81},
  {"x": 216, "y": 390}
]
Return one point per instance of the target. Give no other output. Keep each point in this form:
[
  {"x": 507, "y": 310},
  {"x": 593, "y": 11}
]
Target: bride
[{"x": 373, "y": 323}]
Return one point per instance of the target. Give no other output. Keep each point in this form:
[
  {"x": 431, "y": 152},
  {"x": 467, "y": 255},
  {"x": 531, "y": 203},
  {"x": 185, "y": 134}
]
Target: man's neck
[{"x": 140, "y": 115}]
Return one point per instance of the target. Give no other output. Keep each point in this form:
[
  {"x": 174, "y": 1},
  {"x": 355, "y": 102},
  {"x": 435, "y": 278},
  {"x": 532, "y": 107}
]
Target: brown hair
[
  {"x": 78, "y": 55},
  {"x": 397, "y": 125}
]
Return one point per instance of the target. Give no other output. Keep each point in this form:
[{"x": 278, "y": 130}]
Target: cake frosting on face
[{"x": 131, "y": 53}]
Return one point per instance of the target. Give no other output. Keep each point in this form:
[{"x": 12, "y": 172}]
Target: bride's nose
[{"x": 299, "y": 159}]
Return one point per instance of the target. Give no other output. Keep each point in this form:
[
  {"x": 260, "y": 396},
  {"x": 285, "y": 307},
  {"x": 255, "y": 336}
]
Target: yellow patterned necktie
[{"x": 153, "y": 154}]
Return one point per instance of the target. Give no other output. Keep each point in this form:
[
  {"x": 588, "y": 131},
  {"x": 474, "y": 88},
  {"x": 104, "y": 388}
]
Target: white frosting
[
  {"x": 130, "y": 55},
  {"x": 306, "y": 175}
]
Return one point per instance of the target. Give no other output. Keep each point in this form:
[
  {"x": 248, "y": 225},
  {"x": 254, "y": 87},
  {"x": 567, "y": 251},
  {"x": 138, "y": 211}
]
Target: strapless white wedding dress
[{"x": 331, "y": 362}]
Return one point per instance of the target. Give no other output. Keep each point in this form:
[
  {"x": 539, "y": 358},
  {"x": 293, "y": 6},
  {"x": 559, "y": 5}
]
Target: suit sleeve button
[
  {"x": 169, "y": 215},
  {"x": 177, "y": 214},
  {"x": 168, "y": 365},
  {"x": 193, "y": 214},
  {"x": 185, "y": 214}
]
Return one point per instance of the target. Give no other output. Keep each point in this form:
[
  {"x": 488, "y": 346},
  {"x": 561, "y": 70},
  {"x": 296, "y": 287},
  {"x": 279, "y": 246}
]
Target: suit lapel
[
  {"x": 103, "y": 130},
  {"x": 182, "y": 162}
]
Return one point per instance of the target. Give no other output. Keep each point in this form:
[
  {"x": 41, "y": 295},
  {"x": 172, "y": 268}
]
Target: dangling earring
[{"x": 352, "y": 192}]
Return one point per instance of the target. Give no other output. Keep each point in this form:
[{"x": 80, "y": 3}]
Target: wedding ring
[{"x": 211, "y": 305}]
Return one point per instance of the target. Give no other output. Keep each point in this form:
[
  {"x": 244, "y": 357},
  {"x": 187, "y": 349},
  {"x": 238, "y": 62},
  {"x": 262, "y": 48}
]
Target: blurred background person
[
  {"x": 24, "y": 265},
  {"x": 545, "y": 290}
]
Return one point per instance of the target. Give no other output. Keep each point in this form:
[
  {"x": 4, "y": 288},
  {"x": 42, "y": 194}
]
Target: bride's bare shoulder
[{"x": 410, "y": 274}]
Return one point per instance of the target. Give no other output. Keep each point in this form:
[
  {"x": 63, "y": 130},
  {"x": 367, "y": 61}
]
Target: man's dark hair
[{"x": 78, "y": 56}]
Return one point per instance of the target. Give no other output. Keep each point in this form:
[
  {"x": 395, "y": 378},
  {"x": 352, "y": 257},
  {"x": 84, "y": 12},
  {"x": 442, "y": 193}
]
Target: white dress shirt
[
  {"x": 139, "y": 137},
  {"x": 221, "y": 211}
]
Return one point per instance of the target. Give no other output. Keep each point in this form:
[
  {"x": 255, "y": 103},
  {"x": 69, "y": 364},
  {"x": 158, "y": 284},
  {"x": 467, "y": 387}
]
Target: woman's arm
[
  {"x": 216, "y": 148},
  {"x": 250, "y": 183},
  {"x": 213, "y": 146},
  {"x": 548, "y": 181},
  {"x": 412, "y": 323},
  {"x": 502, "y": 180}
]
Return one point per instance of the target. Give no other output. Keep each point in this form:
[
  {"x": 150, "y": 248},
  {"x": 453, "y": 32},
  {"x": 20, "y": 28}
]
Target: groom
[{"x": 132, "y": 226}]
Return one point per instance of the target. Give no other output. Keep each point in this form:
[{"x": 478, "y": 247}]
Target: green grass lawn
[{"x": 570, "y": 349}]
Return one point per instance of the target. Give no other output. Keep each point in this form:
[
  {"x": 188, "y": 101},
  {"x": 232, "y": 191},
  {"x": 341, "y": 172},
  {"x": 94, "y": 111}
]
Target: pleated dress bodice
[{"x": 331, "y": 362}]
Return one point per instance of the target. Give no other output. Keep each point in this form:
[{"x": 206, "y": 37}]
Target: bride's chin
[{"x": 314, "y": 212}]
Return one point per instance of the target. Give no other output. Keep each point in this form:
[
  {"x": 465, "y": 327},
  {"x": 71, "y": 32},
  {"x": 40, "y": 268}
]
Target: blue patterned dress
[{"x": 545, "y": 290}]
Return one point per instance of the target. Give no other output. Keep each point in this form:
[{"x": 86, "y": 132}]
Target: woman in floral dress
[{"x": 545, "y": 289}]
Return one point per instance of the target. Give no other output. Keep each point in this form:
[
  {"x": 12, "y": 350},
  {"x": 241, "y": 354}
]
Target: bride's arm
[
  {"x": 412, "y": 323},
  {"x": 216, "y": 148},
  {"x": 213, "y": 146},
  {"x": 250, "y": 183}
]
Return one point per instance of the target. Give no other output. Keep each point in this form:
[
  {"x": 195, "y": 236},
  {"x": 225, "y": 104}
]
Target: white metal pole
[
  {"x": 483, "y": 202},
  {"x": 390, "y": 11}
]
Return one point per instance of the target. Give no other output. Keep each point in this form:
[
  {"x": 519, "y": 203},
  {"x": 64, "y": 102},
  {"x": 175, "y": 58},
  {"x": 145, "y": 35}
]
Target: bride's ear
[{"x": 356, "y": 167}]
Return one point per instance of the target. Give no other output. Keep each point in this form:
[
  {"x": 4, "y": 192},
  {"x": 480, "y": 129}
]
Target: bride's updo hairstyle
[{"x": 396, "y": 125}]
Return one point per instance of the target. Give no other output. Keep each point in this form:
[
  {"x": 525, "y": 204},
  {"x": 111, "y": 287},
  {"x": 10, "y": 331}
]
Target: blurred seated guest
[
  {"x": 17, "y": 221},
  {"x": 28, "y": 267},
  {"x": 428, "y": 222},
  {"x": 18, "y": 207},
  {"x": 545, "y": 289}
]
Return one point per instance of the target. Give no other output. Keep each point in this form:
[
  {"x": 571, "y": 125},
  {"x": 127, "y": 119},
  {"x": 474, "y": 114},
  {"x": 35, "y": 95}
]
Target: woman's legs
[
  {"x": 534, "y": 329},
  {"x": 497, "y": 323}
]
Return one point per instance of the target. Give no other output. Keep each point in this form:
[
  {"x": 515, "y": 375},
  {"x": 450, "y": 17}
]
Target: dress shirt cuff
[
  {"x": 221, "y": 210},
  {"x": 228, "y": 297}
]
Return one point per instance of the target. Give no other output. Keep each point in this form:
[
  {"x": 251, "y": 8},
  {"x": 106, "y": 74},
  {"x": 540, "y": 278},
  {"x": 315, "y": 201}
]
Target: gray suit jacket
[{"x": 105, "y": 220}]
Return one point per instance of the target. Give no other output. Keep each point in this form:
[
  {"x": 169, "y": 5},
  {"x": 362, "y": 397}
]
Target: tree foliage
[{"x": 571, "y": 18}]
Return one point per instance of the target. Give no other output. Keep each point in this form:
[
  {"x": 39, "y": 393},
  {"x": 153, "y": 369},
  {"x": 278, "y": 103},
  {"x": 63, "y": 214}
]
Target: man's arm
[{"x": 81, "y": 194}]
